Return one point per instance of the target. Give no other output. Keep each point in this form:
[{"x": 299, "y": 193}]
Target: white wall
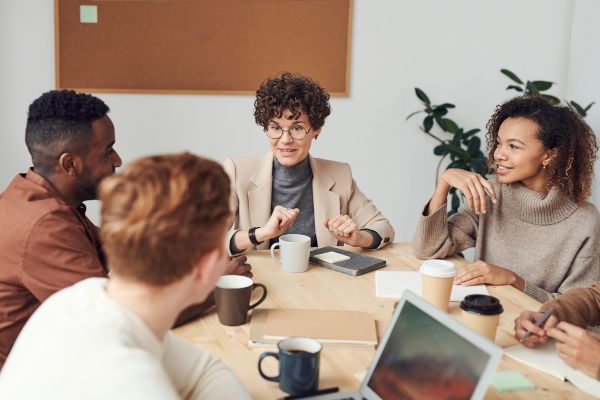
[
  {"x": 584, "y": 68},
  {"x": 453, "y": 50}
]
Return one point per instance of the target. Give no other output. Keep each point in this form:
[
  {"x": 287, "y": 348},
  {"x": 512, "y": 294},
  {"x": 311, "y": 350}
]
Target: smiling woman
[
  {"x": 532, "y": 228},
  {"x": 287, "y": 190}
]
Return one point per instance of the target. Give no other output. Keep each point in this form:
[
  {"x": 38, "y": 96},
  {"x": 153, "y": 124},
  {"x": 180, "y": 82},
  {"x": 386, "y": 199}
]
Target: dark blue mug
[{"x": 298, "y": 365}]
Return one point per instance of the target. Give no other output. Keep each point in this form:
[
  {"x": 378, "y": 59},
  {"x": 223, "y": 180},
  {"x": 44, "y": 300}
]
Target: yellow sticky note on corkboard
[
  {"x": 331, "y": 257},
  {"x": 88, "y": 14}
]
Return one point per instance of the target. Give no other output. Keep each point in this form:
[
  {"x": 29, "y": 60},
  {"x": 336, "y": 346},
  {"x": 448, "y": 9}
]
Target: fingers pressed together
[{"x": 342, "y": 226}]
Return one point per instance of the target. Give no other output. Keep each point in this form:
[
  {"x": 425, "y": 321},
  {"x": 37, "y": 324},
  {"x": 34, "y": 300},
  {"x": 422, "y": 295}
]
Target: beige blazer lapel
[
  {"x": 259, "y": 198},
  {"x": 326, "y": 202}
]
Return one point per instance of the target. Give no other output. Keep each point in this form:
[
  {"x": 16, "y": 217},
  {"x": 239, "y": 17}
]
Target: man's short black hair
[{"x": 60, "y": 121}]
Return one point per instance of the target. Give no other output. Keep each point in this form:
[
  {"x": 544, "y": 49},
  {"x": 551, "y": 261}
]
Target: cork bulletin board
[{"x": 200, "y": 46}]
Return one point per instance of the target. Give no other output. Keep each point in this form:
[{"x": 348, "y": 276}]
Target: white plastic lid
[{"x": 438, "y": 268}]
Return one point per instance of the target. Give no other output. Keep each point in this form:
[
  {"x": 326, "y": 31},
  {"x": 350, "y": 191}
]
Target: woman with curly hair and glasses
[
  {"x": 287, "y": 190},
  {"x": 533, "y": 229}
]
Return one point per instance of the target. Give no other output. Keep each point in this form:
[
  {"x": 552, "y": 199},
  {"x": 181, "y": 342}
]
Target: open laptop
[{"x": 426, "y": 354}]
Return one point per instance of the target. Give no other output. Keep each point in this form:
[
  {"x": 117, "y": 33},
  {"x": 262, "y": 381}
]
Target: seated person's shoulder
[
  {"x": 337, "y": 169},
  {"x": 587, "y": 214},
  {"x": 33, "y": 208},
  {"x": 331, "y": 163},
  {"x": 61, "y": 220},
  {"x": 242, "y": 169},
  {"x": 244, "y": 162}
]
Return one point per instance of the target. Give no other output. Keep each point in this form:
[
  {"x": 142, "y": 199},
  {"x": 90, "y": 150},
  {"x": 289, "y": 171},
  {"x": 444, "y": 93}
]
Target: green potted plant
[
  {"x": 538, "y": 88},
  {"x": 463, "y": 147}
]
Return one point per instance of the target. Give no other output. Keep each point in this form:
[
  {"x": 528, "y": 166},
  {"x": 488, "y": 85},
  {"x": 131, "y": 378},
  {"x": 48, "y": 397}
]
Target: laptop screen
[{"x": 424, "y": 359}]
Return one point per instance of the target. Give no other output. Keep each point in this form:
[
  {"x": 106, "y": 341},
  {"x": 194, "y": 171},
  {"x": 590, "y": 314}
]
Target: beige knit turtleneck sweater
[{"x": 548, "y": 240}]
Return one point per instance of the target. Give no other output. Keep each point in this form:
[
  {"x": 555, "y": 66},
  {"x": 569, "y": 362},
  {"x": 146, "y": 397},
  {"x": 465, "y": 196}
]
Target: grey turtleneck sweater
[
  {"x": 546, "y": 239},
  {"x": 292, "y": 188}
]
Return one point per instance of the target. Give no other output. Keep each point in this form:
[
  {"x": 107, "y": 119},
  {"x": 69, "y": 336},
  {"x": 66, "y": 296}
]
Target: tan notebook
[{"x": 332, "y": 328}]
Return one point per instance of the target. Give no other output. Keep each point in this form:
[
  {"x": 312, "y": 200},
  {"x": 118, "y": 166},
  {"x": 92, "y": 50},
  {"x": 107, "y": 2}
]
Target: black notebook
[{"x": 345, "y": 261}]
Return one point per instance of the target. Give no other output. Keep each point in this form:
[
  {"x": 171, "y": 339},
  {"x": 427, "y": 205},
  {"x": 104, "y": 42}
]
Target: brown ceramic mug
[{"x": 232, "y": 297}]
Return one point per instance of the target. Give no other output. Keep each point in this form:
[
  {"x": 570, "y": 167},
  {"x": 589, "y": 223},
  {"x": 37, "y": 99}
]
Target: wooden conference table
[{"x": 320, "y": 288}]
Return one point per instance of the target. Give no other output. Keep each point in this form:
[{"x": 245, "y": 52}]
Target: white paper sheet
[{"x": 394, "y": 283}]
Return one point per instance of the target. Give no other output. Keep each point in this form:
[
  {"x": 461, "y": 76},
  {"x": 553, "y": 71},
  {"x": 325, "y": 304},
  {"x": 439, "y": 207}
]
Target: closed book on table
[
  {"x": 345, "y": 261},
  {"x": 330, "y": 327}
]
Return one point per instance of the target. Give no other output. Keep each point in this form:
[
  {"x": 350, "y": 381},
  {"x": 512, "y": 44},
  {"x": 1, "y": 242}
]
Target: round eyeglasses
[{"x": 297, "y": 132}]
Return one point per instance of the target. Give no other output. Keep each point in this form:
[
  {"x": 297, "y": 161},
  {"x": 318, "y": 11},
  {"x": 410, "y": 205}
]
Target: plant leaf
[
  {"x": 461, "y": 154},
  {"x": 514, "y": 87},
  {"x": 589, "y": 106},
  {"x": 478, "y": 165},
  {"x": 471, "y": 132},
  {"x": 458, "y": 135},
  {"x": 440, "y": 122},
  {"x": 578, "y": 108},
  {"x": 440, "y": 150},
  {"x": 428, "y": 123},
  {"x": 459, "y": 164},
  {"x": 551, "y": 99},
  {"x": 455, "y": 202},
  {"x": 531, "y": 89},
  {"x": 447, "y": 105},
  {"x": 450, "y": 125},
  {"x": 542, "y": 85},
  {"x": 474, "y": 145},
  {"x": 422, "y": 96},
  {"x": 440, "y": 111},
  {"x": 413, "y": 113},
  {"x": 512, "y": 76}
]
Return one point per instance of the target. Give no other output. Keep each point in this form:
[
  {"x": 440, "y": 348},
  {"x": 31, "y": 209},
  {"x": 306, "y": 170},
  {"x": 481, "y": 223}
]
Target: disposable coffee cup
[
  {"x": 481, "y": 313},
  {"x": 437, "y": 278}
]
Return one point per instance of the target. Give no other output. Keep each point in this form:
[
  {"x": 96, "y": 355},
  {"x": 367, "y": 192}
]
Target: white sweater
[{"x": 81, "y": 344}]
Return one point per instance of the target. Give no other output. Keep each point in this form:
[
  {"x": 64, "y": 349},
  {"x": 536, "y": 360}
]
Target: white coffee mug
[{"x": 294, "y": 252}]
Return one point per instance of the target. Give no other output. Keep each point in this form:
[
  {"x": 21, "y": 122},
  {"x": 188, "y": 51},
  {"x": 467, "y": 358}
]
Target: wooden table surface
[{"x": 320, "y": 288}]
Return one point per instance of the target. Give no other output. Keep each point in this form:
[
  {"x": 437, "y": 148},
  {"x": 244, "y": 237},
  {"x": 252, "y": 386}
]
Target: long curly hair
[
  {"x": 293, "y": 92},
  {"x": 559, "y": 128}
]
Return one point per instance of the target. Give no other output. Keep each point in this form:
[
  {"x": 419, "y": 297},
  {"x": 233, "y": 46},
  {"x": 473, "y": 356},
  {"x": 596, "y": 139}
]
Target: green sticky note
[
  {"x": 88, "y": 14},
  {"x": 511, "y": 381}
]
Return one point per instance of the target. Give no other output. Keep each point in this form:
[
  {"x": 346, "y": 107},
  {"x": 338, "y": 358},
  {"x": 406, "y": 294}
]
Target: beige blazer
[{"x": 334, "y": 193}]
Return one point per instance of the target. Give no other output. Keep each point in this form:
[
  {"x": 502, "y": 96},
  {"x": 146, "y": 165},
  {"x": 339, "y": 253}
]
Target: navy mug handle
[{"x": 260, "y": 360}]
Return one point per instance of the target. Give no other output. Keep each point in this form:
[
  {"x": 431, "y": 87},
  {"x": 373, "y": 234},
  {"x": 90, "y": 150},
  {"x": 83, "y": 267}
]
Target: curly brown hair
[
  {"x": 292, "y": 92},
  {"x": 559, "y": 128},
  {"x": 162, "y": 214}
]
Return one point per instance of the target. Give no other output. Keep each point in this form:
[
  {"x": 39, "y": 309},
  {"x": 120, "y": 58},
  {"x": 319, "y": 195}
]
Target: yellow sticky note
[
  {"x": 88, "y": 14},
  {"x": 331, "y": 257}
]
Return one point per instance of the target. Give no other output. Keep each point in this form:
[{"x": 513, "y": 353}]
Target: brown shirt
[
  {"x": 45, "y": 245},
  {"x": 580, "y": 306}
]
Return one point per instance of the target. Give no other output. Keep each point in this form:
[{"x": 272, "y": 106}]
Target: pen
[
  {"x": 539, "y": 322},
  {"x": 318, "y": 392}
]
